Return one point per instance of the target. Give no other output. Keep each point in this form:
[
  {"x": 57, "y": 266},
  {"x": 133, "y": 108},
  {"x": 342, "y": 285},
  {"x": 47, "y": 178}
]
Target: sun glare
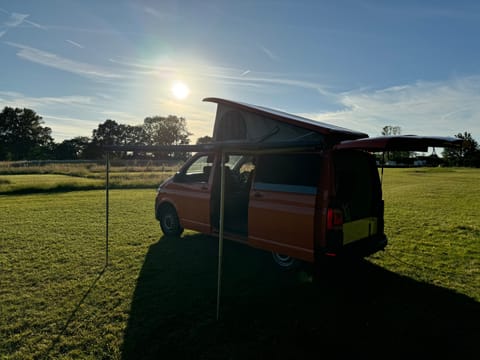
[{"x": 180, "y": 90}]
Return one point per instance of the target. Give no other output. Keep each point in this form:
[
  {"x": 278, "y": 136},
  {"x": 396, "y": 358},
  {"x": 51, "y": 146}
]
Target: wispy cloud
[
  {"x": 165, "y": 14},
  {"x": 67, "y": 116},
  {"x": 67, "y": 127},
  {"x": 139, "y": 68},
  {"x": 423, "y": 10},
  {"x": 15, "y": 19},
  {"x": 60, "y": 63},
  {"x": 225, "y": 75},
  {"x": 15, "y": 99},
  {"x": 153, "y": 12},
  {"x": 74, "y": 43},
  {"x": 423, "y": 108},
  {"x": 35, "y": 25},
  {"x": 121, "y": 116},
  {"x": 271, "y": 55}
]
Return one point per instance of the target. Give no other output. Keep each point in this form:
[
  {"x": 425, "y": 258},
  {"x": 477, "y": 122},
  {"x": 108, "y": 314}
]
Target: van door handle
[
  {"x": 204, "y": 187},
  {"x": 257, "y": 195}
]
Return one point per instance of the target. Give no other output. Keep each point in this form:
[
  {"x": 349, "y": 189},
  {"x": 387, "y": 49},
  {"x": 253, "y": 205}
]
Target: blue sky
[{"x": 358, "y": 64}]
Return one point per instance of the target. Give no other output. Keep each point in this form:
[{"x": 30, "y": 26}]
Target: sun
[{"x": 180, "y": 90}]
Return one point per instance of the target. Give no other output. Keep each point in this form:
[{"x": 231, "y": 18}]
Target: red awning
[{"x": 399, "y": 143}]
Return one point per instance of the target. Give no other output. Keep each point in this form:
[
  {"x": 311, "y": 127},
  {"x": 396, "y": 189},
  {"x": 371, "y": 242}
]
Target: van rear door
[
  {"x": 356, "y": 210},
  {"x": 355, "y": 217}
]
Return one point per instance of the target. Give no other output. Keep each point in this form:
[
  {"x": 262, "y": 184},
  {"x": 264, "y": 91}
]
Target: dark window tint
[
  {"x": 357, "y": 184},
  {"x": 300, "y": 172}
]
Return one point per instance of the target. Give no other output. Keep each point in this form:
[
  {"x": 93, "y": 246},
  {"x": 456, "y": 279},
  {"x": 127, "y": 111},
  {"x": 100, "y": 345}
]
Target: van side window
[
  {"x": 288, "y": 173},
  {"x": 199, "y": 170}
]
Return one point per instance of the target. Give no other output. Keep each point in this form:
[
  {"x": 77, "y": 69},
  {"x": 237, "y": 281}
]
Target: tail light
[{"x": 334, "y": 219}]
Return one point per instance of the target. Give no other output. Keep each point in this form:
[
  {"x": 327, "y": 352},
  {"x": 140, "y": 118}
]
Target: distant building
[{"x": 418, "y": 161}]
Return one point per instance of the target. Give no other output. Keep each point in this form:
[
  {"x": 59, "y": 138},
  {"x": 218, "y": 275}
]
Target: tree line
[
  {"x": 467, "y": 156},
  {"x": 23, "y": 136}
]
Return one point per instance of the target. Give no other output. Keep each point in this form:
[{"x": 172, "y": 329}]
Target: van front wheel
[
  {"x": 169, "y": 222},
  {"x": 285, "y": 262}
]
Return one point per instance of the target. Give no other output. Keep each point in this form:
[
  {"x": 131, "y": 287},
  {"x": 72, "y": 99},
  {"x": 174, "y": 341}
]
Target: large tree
[
  {"x": 204, "y": 140},
  {"x": 467, "y": 155},
  {"x": 107, "y": 133},
  {"x": 397, "y": 156},
  {"x": 22, "y": 135},
  {"x": 171, "y": 130},
  {"x": 391, "y": 130},
  {"x": 71, "y": 149},
  {"x": 156, "y": 130}
]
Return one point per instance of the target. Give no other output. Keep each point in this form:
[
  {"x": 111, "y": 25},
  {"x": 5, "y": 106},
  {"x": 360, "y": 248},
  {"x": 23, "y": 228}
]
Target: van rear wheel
[
  {"x": 285, "y": 262},
  {"x": 169, "y": 222}
]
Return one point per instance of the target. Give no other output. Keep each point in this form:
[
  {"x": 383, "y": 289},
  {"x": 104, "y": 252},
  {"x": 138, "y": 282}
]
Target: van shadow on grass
[{"x": 268, "y": 313}]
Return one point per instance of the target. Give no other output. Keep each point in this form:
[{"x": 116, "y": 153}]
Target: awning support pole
[
  {"x": 220, "y": 235},
  {"x": 383, "y": 165},
  {"x": 107, "y": 204}
]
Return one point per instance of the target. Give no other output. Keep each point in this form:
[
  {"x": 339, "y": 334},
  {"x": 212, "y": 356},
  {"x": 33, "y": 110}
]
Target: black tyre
[
  {"x": 169, "y": 222},
  {"x": 285, "y": 262}
]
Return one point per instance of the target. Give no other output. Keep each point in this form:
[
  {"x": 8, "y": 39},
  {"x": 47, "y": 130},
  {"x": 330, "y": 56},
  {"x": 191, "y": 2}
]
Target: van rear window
[{"x": 288, "y": 172}]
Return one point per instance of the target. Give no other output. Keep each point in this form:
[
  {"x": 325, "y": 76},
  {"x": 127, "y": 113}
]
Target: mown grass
[
  {"x": 432, "y": 220},
  {"x": 156, "y": 299}
]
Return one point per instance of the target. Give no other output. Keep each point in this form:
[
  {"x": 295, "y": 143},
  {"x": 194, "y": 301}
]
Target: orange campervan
[{"x": 298, "y": 188}]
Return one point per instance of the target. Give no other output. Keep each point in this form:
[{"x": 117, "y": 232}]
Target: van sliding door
[{"x": 281, "y": 215}]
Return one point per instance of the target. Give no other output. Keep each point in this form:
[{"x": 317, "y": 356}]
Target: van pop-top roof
[{"x": 250, "y": 123}]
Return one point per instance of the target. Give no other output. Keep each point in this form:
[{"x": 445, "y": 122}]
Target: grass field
[
  {"x": 69, "y": 177},
  {"x": 157, "y": 297}
]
